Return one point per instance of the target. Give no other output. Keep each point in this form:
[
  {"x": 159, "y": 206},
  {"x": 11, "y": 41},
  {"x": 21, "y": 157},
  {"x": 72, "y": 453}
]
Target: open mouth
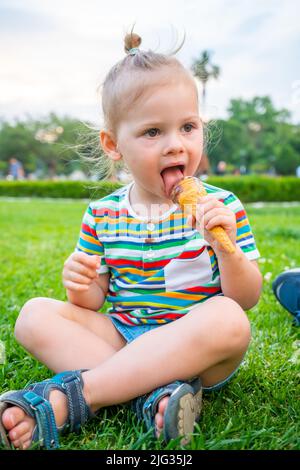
[
  {"x": 172, "y": 176},
  {"x": 181, "y": 168}
]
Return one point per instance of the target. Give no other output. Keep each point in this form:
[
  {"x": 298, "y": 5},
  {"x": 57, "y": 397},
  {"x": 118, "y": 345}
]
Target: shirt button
[{"x": 151, "y": 226}]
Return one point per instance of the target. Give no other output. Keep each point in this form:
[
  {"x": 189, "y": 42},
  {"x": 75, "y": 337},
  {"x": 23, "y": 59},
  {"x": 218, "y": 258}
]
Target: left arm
[{"x": 241, "y": 279}]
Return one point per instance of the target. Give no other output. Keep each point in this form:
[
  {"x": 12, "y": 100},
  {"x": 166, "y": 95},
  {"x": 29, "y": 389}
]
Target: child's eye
[
  {"x": 153, "y": 132},
  {"x": 188, "y": 127}
]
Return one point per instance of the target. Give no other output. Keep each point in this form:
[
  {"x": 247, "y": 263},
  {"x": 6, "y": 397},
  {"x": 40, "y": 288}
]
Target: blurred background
[{"x": 55, "y": 55}]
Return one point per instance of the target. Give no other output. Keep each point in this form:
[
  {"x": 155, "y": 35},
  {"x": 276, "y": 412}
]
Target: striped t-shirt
[{"x": 159, "y": 269}]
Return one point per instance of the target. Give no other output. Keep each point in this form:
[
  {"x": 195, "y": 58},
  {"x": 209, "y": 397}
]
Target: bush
[
  {"x": 57, "y": 189},
  {"x": 247, "y": 188},
  {"x": 260, "y": 188}
]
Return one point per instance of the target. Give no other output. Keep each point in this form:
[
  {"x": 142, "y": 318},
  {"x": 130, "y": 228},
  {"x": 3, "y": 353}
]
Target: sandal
[
  {"x": 34, "y": 400},
  {"x": 183, "y": 409},
  {"x": 286, "y": 288}
]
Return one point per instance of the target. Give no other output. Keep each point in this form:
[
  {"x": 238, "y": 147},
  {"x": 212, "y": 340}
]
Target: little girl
[{"x": 177, "y": 324}]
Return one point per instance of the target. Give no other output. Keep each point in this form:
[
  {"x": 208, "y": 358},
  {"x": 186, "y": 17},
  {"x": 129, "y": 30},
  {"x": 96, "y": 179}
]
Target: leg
[
  {"x": 64, "y": 336},
  {"x": 44, "y": 328},
  {"x": 209, "y": 342}
]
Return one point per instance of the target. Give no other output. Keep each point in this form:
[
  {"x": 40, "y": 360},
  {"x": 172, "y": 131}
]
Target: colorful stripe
[{"x": 156, "y": 276}]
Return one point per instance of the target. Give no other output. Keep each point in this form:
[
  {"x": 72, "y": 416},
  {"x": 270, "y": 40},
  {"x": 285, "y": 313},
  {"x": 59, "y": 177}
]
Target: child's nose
[{"x": 173, "y": 144}]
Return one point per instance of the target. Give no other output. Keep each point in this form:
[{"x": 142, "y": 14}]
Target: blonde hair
[
  {"x": 128, "y": 79},
  {"x": 126, "y": 82}
]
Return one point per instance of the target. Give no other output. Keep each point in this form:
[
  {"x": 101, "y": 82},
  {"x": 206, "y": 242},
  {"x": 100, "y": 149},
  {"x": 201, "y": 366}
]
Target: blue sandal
[
  {"x": 34, "y": 400},
  {"x": 286, "y": 288},
  {"x": 183, "y": 409}
]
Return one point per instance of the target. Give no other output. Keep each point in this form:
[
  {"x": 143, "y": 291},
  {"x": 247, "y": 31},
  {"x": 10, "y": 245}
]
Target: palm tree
[{"x": 204, "y": 70}]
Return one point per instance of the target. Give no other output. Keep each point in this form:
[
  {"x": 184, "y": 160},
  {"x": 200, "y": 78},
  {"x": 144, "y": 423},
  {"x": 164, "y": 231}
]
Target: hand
[
  {"x": 80, "y": 271},
  {"x": 211, "y": 212}
]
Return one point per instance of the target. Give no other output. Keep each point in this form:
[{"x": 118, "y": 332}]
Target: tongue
[{"x": 171, "y": 176}]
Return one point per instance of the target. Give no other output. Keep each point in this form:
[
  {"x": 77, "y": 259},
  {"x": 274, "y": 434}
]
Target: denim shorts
[{"x": 131, "y": 332}]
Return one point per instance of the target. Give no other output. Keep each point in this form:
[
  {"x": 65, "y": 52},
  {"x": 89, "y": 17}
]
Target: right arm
[{"x": 85, "y": 287}]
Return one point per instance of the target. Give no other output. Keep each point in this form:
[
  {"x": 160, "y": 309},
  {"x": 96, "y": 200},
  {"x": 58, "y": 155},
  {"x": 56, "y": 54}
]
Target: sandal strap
[
  {"x": 46, "y": 425},
  {"x": 79, "y": 411},
  {"x": 34, "y": 400},
  {"x": 145, "y": 405},
  {"x": 39, "y": 408}
]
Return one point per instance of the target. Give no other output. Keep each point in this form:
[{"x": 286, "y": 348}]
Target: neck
[{"x": 147, "y": 204}]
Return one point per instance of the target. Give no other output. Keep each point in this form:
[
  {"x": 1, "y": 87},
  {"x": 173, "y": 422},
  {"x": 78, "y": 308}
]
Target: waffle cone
[{"x": 186, "y": 194}]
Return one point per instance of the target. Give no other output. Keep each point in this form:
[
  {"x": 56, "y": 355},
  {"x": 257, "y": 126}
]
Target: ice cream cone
[{"x": 186, "y": 194}]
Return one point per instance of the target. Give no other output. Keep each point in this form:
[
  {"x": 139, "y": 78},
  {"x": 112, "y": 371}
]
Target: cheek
[
  {"x": 198, "y": 139},
  {"x": 148, "y": 154},
  {"x": 137, "y": 149}
]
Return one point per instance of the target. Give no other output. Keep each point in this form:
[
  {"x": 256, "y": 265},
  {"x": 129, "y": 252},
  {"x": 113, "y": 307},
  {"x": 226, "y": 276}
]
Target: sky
[{"x": 55, "y": 53}]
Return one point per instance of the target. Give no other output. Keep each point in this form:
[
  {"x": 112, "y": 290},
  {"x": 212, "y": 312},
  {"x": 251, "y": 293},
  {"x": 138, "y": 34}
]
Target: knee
[
  {"x": 29, "y": 319},
  {"x": 236, "y": 329}
]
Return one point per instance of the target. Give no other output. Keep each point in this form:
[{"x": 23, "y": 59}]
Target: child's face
[{"x": 162, "y": 130}]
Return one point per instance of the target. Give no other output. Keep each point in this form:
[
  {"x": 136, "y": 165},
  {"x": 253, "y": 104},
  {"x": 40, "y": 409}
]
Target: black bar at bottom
[{"x": 147, "y": 459}]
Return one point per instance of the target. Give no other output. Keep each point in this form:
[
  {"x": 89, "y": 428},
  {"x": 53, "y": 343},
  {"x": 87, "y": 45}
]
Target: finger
[
  {"x": 204, "y": 214},
  {"x": 220, "y": 219},
  {"x": 82, "y": 269},
  {"x": 208, "y": 219},
  {"x": 204, "y": 209},
  {"x": 208, "y": 204},
  {"x": 75, "y": 287},
  {"x": 208, "y": 198},
  {"x": 214, "y": 211},
  {"x": 88, "y": 260},
  {"x": 78, "y": 278}
]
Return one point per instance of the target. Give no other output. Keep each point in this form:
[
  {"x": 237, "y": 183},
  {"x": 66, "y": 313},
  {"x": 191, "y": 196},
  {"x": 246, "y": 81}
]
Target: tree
[
  {"x": 204, "y": 71},
  {"x": 46, "y": 146},
  {"x": 258, "y": 137}
]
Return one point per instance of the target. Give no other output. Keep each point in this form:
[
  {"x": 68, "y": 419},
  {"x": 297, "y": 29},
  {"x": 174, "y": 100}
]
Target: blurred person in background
[
  {"x": 16, "y": 170},
  {"x": 221, "y": 168}
]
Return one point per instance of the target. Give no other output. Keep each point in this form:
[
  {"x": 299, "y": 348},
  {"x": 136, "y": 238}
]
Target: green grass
[{"x": 258, "y": 409}]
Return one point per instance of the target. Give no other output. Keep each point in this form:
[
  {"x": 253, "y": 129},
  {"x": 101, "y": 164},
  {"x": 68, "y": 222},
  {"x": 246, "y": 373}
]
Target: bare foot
[
  {"x": 20, "y": 426},
  {"x": 159, "y": 417}
]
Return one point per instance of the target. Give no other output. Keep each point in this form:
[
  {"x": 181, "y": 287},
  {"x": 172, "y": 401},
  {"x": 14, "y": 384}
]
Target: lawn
[{"x": 258, "y": 409}]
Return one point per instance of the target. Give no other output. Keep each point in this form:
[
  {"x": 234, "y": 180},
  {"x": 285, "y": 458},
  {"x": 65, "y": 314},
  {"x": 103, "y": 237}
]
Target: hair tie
[{"x": 133, "y": 51}]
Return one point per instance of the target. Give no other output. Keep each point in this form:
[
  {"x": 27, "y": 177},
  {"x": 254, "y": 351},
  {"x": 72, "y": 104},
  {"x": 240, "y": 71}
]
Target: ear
[{"x": 109, "y": 145}]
